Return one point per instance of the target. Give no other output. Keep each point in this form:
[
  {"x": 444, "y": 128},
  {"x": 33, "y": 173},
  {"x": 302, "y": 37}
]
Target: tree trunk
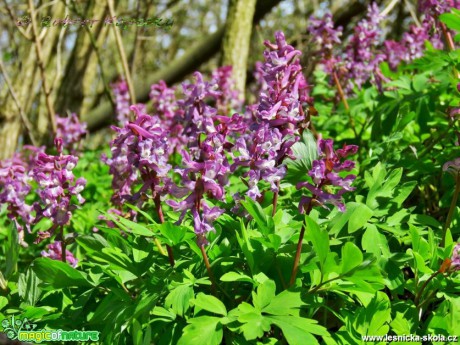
[{"x": 237, "y": 40}]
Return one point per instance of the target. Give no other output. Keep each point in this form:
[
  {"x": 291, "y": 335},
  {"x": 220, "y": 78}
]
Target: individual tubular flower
[
  {"x": 55, "y": 253},
  {"x": 14, "y": 188},
  {"x": 324, "y": 175},
  {"x": 57, "y": 185},
  {"x": 122, "y": 101},
  {"x": 71, "y": 130}
]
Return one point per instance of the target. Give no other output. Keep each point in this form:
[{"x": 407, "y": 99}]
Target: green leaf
[
  {"x": 265, "y": 294},
  {"x": 3, "y": 302},
  {"x": 12, "y": 250},
  {"x": 128, "y": 225},
  {"x": 298, "y": 330},
  {"x": 305, "y": 151},
  {"x": 285, "y": 303},
  {"x": 319, "y": 238},
  {"x": 174, "y": 234},
  {"x": 58, "y": 274},
  {"x": 254, "y": 323},
  {"x": 203, "y": 330},
  {"x": 28, "y": 287},
  {"x": 351, "y": 257},
  {"x": 179, "y": 299},
  {"x": 361, "y": 214},
  {"x": 451, "y": 20},
  {"x": 236, "y": 277},
  {"x": 374, "y": 242},
  {"x": 258, "y": 214},
  {"x": 210, "y": 303}
]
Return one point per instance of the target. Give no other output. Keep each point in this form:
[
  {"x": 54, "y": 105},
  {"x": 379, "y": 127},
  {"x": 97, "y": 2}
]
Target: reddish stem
[
  {"x": 63, "y": 246},
  {"x": 208, "y": 268},
  {"x": 295, "y": 268}
]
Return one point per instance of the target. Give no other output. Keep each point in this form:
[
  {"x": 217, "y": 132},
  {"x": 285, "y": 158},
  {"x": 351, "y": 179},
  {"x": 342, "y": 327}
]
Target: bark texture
[{"x": 237, "y": 40}]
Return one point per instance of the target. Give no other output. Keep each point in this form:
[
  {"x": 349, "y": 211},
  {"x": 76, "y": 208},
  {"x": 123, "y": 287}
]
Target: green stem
[{"x": 422, "y": 289}]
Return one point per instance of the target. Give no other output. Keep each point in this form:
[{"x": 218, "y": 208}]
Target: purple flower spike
[
  {"x": 57, "y": 185},
  {"x": 55, "y": 253},
  {"x": 14, "y": 188},
  {"x": 122, "y": 101},
  {"x": 324, "y": 174},
  {"x": 71, "y": 130},
  {"x": 139, "y": 155}
]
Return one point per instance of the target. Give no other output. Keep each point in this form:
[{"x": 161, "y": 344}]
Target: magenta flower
[
  {"x": 55, "y": 253},
  {"x": 324, "y": 174},
  {"x": 71, "y": 130},
  {"x": 14, "y": 188},
  {"x": 229, "y": 99},
  {"x": 57, "y": 185},
  {"x": 276, "y": 118},
  {"x": 122, "y": 101},
  {"x": 139, "y": 156}
]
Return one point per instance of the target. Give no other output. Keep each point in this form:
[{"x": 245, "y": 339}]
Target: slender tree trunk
[{"x": 237, "y": 39}]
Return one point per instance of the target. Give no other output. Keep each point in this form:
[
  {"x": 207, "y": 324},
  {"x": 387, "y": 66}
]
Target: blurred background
[{"x": 62, "y": 57}]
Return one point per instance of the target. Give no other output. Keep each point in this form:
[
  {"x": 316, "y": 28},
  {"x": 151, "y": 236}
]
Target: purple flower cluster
[
  {"x": 140, "y": 150},
  {"x": 324, "y": 175},
  {"x": 326, "y": 37},
  {"x": 57, "y": 185},
  {"x": 14, "y": 188},
  {"x": 202, "y": 177},
  {"x": 230, "y": 98},
  {"x": 71, "y": 130},
  {"x": 55, "y": 252},
  {"x": 361, "y": 58},
  {"x": 170, "y": 116},
  {"x": 198, "y": 114},
  {"x": 277, "y": 117},
  {"x": 122, "y": 101}
]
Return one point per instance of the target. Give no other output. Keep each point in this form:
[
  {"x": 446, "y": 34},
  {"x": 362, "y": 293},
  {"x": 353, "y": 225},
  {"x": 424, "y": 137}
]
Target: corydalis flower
[
  {"x": 361, "y": 59},
  {"x": 198, "y": 114},
  {"x": 230, "y": 98},
  {"x": 14, "y": 188},
  {"x": 57, "y": 185},
  {"x": 324, "y": 175},
  {"x": 139, "y": 150},
  {"x": 55, "y": 252},
  {"x": 277, "y": 117},
  {"x": 326, "y": 37},
  {"x": 71, "y": 130},
  {"x": 169, "y": 114},
  {"x": 202, "y": 178},
  {"x": 122, "y": 101}
]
